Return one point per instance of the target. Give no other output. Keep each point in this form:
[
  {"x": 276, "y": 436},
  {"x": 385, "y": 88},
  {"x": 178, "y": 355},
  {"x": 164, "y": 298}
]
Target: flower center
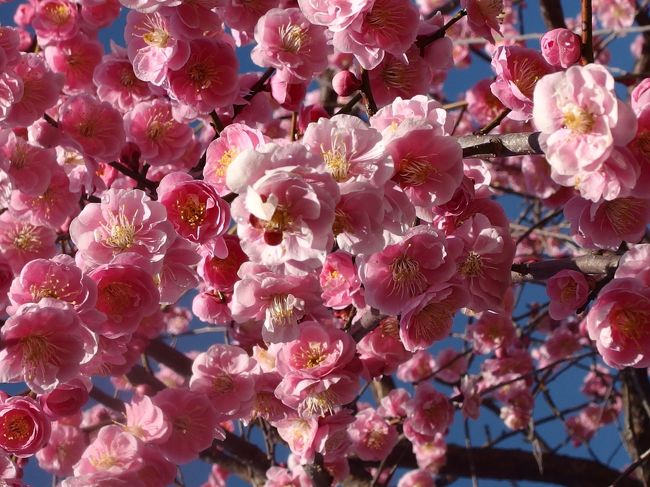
[
  {"x": 37, "y": 350},
  {"x": 407, "y": 276},
  {"x": 15, "y": 428},
  {"x": 121, "y": 234},
  {"x": 389, "y": 327},
  {"x": 568, "y": 292},
  {"x": 157, "y": 37},
  {"x": 375, "y": 439},
  {"x": 224, "y": 161},
  {"x": 490, "y": 8},
  {"x": 191, "y": 210},
  {"x": 527, "y": 72},
  {"x": 26, "y": 239},
  {"x": 578, "y": 120},
  {"x": 414, "y": 171},
  {"x": 87, "y": 128},
  {"x": 631, "y": 323},
  {"x": 281, "y": 310},
  {"x": 116, "y": 297},
  {"x": 57, "y": 14},
  {"x": 433, "y": 321},
  {"x": 157, "y": 129},
  {"x": 321, "y": 403},
  {"x": 293, "y": 38},
  {"x": 222, "y": 383},
  {"x": 127, "y": 77},
  {"x": 104, "y": 461},
  {"x": 624, "y": 214},
  {"x": 337, "y": 163},
  {"x": 472, "y": 266},
  {"x": 202, "y": 74},
  {"x": 313, "y": 356}
]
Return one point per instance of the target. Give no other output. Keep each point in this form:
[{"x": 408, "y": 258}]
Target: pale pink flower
[
  {"x": 224, "y": 374},
  {"x": 406, "y": 76},
  {"x": 428, "y": 167},
  {"x": 559, "y": 344},
  {"x": 640, "y": 96},
  {"x": 243, "y": 16},
  {"x": 96, "y": 126},
  {"x": 416, "y": 478},
  {"x": 21, "y": 242},
  {"x": 76, "y": 59},
  {"x": 491, "y": 332},
  {"x": 384, "y": 26},
  {"x": 146, "y": 421},
  {"x": 484, "y": 16},
  {"x": 430, "y": 451},
  {"x": 45, "y": 344},
  {"x": 399, "y": 213},
  {"x": 635, "y": 263},
  {"x": 24, "y": 428},
  {"x": 359, "y": 219},
  {"x": 615, "y": 14},
  {"x": 428, "y": 412},
  {"x": 266, "y": 405},
  {"x": 393, "y": 404},
  {"x": 58, "y": 278},
  {"x": 381, "y": 350},
  {"x": 299, "y": 433},
  {"x": 154, "y": 45},
  {"x": 372, "y": 437},
  {"x": 126, "y": 293},
  {"x": 177, "y": 275},
  {"x": 52, "y": 208},
  {"x": 212, "y": 306},
  {"x": 116, "y": 82},
  {"x": 220, "y": 273},
  {"x": 161, "y": 139},
  {"x": 11, "y": 90},
  {"x": 517, "y": 412},
  {"x": 351, "y": 150},
  {"x": 517, "y": 71},
  {"x": 99, "y": 13},
  {"x": 56, "y": 20},
  {"x": 597, "y": 382},
  {"x": 388, "y": 119},
  {"x": 617, "y": 322},
  {"x": 484, "y": 265},
  {"x": 155, "y": 471},
  {"x": 450, "y": 365},
  {"x": 561, "y": 47},
  {"x": 113, "y": 452},
  {"x": 124, "y": 221},
  {"x": 40, "y": 90},
  {"x": 537, "y": 176},
  {"x": 63, "y": 450},
  {"x": 607, "y": 223},
  {"x": 209, "y": 78},
  {"x": 514, "y": 363},
  {"x": 287, "y": 41},
  {"x": 567, "y": 291},
  {"x": 405, "y": 270},
  {"x": 419, "y": 367},
  {"x": 286, "y": 213},
  {"x": 469, "y": 388},
  {"x": 233, "y": 140},
  {"x": 428, "y": 318},
  {"x": 28, "y": 167},
  {"x": 339, "y": 282},
  {"x": 195, "y": 209},
  {"x": 580, "y": 118},
  {"x": 194, "y": 423},
  {"x": 336, "y": 15}
]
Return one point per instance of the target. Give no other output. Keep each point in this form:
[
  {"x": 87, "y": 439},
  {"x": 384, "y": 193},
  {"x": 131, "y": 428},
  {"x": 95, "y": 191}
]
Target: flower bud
[
  {"x": 345, "y": 83},
  {"x": 561, "y": 47}
]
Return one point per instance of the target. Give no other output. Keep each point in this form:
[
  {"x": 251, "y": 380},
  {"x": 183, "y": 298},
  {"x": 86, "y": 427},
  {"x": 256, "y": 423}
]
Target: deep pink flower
[
  {"x": 55, "y": 20},
  {"x": 161, "y": 139},
  {"x": 76, "y": 59},
  {"x": 517, "y": 70},
  {"x": 482, "y": 105},
  {"x": 177, "y": 275},
  {"x": 124, "y": 221},
  {"x": 428, "y": 317},
  {"x": 381, "y": 350},
  {"x": 96, "y": 126},
  {"x": 428, "y": 412},
  {"x": 339, "y": 281},
  {"x": 483, "y": 17},
  {"x": 568, "y": 291},
  {"x": 491, "y": 332},
  {"x": 45, "y": 344},
  {"x": 224, "y": 374},
  {"x": 195, "y": 209},
  {"x": 21, "y": 241},
  {"x": 405, "y": 270},
  {"x": 286, "y": 40},
  {"x": 561, "y": 47},
  {"x": 419, "y": 367},
  {"x": 126, "y": 293},
  {"x": 220, "y": 273},
  {"x": 29, "y": 167},
  {"x": 193, "y": 420},
  {"x": 209, "y": 78},
  {"x": 24, "y": 428},
  {"x": 234, "y": 139},
  {"x": 243, "y": 16},
  {"x": 618, "y": 321},
  {"x": 113, "y": 452},
  {"x": 40, "y": 90},
  {"x": 372, "y": 437},
  {"x": 64, "y": 449},
  {"x": 66, "y": 399}
]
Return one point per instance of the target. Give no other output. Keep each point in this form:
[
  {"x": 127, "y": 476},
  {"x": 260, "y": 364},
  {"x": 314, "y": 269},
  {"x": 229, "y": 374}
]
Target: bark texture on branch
[
  {"x": 636, "y": 408},
  {"x": 587, "y": 264},
  {"x": 519, "y": 144},
  {"x": 552, "y": 14}
]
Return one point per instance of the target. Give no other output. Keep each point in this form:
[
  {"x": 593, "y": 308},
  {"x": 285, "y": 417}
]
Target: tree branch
[
  {"x": 552, "y": 14},
  {"x": 587, "y": 264},
  {"x": 504, "y": 145}
]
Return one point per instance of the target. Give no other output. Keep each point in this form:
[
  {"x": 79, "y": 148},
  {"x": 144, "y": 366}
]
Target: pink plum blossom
[
  {"x": 64, "y": 448},
  {"x": 568, "y": 291},
  {"x": 561, "y": 47},
  {"x": 28, "y": 167},
  {"x": 21, "y": 241},
  {"x": 339, "y": 281},
  {"x": 113, "y": 452},
  {"x": 56, "y": 20},
  {"x": 66, "y": 399},
  {"x": 381, "y": 350},
  {"x": 76, "y": 59},
  {"x": 221, "y": 273},
  {"x": 483, "y": 17},
  {"x": 146, "y": 421},
  {"x": 24, "y": 428},
  {"x": 428, "y": 412},
  {"x": 372, "y": 437}
]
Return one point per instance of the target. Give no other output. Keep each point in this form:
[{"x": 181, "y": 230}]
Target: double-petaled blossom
[
  {"x": 407, "y": 269},
  {"x": 44, "y": 345},
  {"x": 21, "y": 242},
  {"x": 194, "y": 423},
  {"x": 76, "y": 59},
  {"x": 66, "y": 399},
  {"x": 420, "y": 107},
  {"x": 339, "y": 282},
  {"x": 146, "y": 421},
  {"x": 618, "y": 322},
  {"x": 195, "y": 209},
  {"x": 113, "y": 452},
  {"x": 428, "y": 412},
  {"x": 24, "y": 428},
  {"x": 483, "y": 17},
  {"x": 381, "y": 350},
  {"x": 63, "y": 449},
  {"x": 126, "y": 220},
  {"x": 287, "y": 41},
  {"x": 28, "y": 167},
  {"x": 56, "y": 20},
  {"x": 319, "y": 370},
  {"x": 224, "y": 374},
  {"x": 372, "y": 437},
  {"x": 568, "y": 291}
]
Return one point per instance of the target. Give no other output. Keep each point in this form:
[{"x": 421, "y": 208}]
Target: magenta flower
[
  {"x": 405, "y": 270},
  {"x": 96, "y": 126},
  {"x": 618, "y": 323},
  {"x": 286, "y": 40},
  {"x": 124, "y": 221},
  {"x": 568, "y": 291},
  {"x": 45, "y": 344},
  {"x": 195, "y": 209},
  {"x": 24, "y": 428}
]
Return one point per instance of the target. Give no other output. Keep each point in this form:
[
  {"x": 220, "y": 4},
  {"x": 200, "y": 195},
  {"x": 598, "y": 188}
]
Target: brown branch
[
  {"x": 552, "y": 14},
  {"x": 642, "y": 64},
  {"x": 142, "y": 181},
  {"x": 255, "y": 89},
  {"x": 494, "y": 122},
  {"x": 316, "y": 471},
  {"x": 636, "y": 431},
  {"x": 347, "y": 108},
  {"x": 424, "y": 41},
  {"x": 169, "y": 356},
  {"x": 109, "y": 401},
  {"x": 587, "y": 264},
  {"x": 371, "y": 106},
  {"x": 505, "y": 145},
  {"x": 587, "y": 47}
]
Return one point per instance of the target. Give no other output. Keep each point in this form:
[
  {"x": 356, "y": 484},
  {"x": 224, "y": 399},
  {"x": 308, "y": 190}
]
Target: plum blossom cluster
[{"x": 327, "y": 247}]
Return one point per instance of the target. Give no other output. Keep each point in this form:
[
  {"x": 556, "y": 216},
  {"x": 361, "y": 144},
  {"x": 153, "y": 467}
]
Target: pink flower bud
[
  {"x": 561, "y": 47},
  {"x": 345, "y": 83}
]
